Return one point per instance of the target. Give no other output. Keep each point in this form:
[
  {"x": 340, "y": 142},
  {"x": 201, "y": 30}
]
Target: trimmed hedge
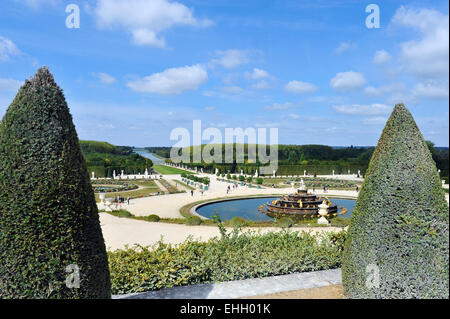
[
  {"x": 124, "y": 213},
  {"x": 153, "y": 218},
  {"x": 400, "y": 222},
  {"x": 48, "y": 215},
  {"x": 248, "y": 255},
  {"x": 193, "y": 220}
]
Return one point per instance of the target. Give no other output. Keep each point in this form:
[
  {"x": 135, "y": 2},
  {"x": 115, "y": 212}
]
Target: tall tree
[
  {"x": 49, "y": 225},
  {"x": 398, "y": 239}
]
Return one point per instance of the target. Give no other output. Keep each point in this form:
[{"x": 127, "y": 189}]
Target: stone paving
[{"x": 245, "y": 288}]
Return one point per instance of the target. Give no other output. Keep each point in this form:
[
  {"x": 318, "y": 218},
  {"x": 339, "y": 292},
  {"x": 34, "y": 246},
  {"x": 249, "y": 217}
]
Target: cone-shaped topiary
[
  {"x": 398, "y": 239},
  {"x": 49, "y": 223}
]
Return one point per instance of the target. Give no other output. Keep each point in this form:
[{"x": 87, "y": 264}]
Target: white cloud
[
  {"x": 9, "y": 85},
  {"x": 428, "y": 56},
  {"x": 7, "y": 49},
  {"x": 279, "y": 106},
  {"x": 399, "y": 92},
  {"x": 358, "y": 109},
  {"x": 300, "y": 87},
  {"x": 388, "y": 89},
  {"x": 144, "y": 19},
  {"x": 381, "y": 57},
  {"x": 105, "y": 78},
  {"x": 347, "y": 81},
  {"x": 231, "y": 58},
  {"x": 431, "y": 90},
  {"x": 171, "y": 81},
  {"x": 257, "y": 74},
  {"x": 344, "y": 46},
  {"x": 210, "y": 108},
  {"x": 147, "y": 37},
  {"x": 261, "y": 85}
]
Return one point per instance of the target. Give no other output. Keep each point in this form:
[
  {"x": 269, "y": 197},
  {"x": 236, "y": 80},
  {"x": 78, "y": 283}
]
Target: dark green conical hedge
[
  {"x": 48, "y": 215},
  {"x": 400, "y": 222}
]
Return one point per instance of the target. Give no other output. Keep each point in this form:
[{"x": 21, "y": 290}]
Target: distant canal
[
  {"x": 146, "y": 154},
  {"x": 248, "y": 208}
]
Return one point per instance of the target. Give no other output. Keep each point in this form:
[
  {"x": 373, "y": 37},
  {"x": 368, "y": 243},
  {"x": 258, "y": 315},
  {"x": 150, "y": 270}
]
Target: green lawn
[{"x": 167, "y": 170}]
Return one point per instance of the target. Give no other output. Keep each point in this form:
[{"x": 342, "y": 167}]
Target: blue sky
[{"x": 137, "y": 69}]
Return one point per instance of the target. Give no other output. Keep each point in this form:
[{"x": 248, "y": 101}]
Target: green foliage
[
  {"x": 203, "y": 180},
  {"x": 241, "y": 178},
  {"x": 228, "y": 176},
  {"x": 249, "y": 179},
  {"x": 338, "y": 239},
  {"x": 400, "y": 222},
  {"x": 103, "y": 159},
  {"x": 193, "y": 220},
  {"x": 123, "y": 213},
  {"x": 285, "y": 222},
  {"x": 259, "y": 180},
  {"x": 238, "y": 222},
  {"x": 339, "y": 222},
  {"x": 248, "y": 255},
  {"x": 153, "y": 218},
  {"x": 48, "y": 216}
]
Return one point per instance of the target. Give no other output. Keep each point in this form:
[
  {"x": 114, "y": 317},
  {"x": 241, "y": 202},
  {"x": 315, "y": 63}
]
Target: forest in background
[{"x": 315, "y": 159}]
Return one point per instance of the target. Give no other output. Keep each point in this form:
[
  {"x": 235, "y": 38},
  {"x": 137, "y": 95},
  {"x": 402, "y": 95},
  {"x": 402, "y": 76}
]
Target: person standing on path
[
  {"x": 128, "y": 200},
  {"x": 192, "y": 192}
]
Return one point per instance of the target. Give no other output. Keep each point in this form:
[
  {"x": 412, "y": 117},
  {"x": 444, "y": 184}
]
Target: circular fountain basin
[{"x": 247, "y": 208}]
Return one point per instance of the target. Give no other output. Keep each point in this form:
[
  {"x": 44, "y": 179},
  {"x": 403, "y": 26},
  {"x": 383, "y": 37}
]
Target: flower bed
[{"x": 116, "y": 186}]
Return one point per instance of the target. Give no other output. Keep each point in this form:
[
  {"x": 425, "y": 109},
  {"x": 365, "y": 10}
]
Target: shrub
[
  {"x": 48, "y": 215},
  {"x": 400, "y": 222},
  {"x": 228, "y": 176},
  {"x": 249, "y": 255},
  {"x": 193, "y": 220},
  {"x": 153, "y": 218},
  {"x": 249, "y": 179},
  {"x": 241, "y": 178},
  {"x": 338, "y": 240},
  {"x": 124, "y": 213},
  {"x": 259, "y": 180},
  {"x": 234, "y": 177},
  {"x": 238, "y": 222},
  {"x": 285, "y": 222}
]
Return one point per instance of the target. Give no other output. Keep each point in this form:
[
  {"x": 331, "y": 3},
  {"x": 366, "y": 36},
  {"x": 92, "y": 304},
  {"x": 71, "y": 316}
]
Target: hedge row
[{"x": 247, "y": 255}]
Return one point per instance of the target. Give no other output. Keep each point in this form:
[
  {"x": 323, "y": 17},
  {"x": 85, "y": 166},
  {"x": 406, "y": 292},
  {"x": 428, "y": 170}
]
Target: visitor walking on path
[
  {"x": 192, "y": 192},
  {"x": 128, "y": 200}
]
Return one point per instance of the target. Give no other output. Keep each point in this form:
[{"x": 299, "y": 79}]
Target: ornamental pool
[{"x": 248, "y": 208}]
